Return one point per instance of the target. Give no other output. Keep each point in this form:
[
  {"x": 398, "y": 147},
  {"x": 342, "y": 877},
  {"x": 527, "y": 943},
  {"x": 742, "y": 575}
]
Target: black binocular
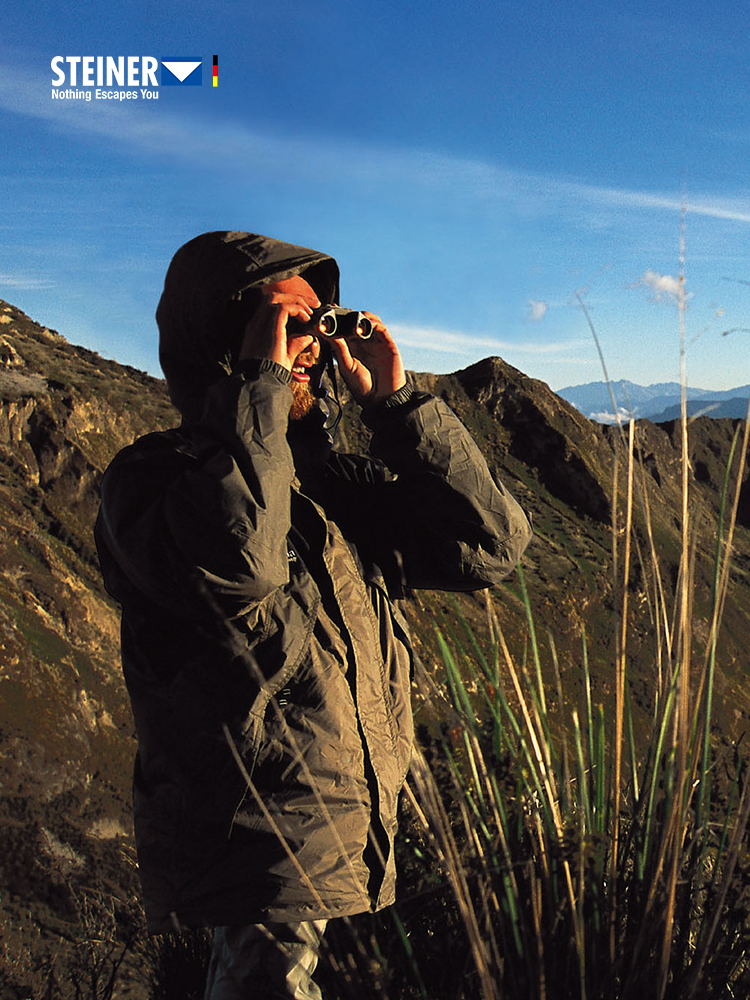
[{"x": 336, "y": 321}]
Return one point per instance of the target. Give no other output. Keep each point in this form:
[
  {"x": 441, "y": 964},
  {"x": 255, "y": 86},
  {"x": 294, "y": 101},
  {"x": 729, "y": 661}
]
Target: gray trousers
[{"x": 268, "y": 961}]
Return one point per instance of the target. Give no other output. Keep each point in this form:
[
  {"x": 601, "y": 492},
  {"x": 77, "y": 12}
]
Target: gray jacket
[{"x": 266, "y": 658}]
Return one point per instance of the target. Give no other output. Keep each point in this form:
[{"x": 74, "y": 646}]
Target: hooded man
[{"x": 258, "y": 571}]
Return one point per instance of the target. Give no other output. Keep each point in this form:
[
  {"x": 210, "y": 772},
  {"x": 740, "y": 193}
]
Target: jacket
[{"x": 266, "y": 658}]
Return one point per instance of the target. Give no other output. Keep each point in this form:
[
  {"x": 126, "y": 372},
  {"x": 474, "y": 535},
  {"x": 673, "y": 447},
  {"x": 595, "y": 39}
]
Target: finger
[
  {"x": 300, "y": 311},
  {"x": 385, "y": 338},
  {"x": 289, "y": 299},
  {"x": 265, "y": 334},
  {"x": 342, "y": 354},
  {"x": 280, "y": 337},
  {"x": 377, "y": 322},
  {"x": 299, "y": 345}
]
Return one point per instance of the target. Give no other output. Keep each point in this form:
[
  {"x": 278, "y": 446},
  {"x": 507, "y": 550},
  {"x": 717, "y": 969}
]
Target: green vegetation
[{"x": 555, "y": 854}]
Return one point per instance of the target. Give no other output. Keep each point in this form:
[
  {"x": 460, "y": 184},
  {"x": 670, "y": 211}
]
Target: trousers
[{"x": 268, "y": 961}]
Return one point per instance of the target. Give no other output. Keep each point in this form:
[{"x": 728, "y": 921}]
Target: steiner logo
[
  {"x": 92, "y": 73},
  {"x": 182, "y": 71},
  {"x": 101, "y": 71}
]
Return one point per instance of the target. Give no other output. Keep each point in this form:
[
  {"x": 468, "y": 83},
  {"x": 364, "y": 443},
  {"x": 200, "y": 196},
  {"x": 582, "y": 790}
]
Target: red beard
[{"x": 302, "y": 401}]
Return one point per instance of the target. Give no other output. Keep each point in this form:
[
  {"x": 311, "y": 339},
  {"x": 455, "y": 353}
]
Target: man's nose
[{"x": 313, "y": 349}]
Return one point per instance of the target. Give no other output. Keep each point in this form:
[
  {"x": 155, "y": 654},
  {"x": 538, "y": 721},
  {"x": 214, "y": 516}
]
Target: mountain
[
  {"x": 656, "y": 402},
  {"x": 66, "y": 733},
  {"x": 734, "y": 408}
]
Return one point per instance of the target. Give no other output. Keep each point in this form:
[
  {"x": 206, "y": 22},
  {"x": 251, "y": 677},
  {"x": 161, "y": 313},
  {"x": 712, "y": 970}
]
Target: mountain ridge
[{"x": 654, "y": 402}]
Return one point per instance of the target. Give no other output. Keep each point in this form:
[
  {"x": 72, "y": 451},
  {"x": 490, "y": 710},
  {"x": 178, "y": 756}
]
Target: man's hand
[
  {"x": 266, "y": 334},
  {"x": 372, "y": 369}
]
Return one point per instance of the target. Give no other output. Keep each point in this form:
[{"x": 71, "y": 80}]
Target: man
[{"x": 266, "y": 659}]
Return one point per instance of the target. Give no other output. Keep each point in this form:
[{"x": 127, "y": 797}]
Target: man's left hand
[{"x": 372, "y": 368}]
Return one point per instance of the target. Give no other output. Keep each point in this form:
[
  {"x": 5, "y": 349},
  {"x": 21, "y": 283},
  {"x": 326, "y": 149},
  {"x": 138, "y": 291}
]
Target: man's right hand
[{"x": 266, "y": 334}]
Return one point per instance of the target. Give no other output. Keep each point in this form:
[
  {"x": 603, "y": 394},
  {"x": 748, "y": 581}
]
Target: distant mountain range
[{"x": 658, "y": 402}]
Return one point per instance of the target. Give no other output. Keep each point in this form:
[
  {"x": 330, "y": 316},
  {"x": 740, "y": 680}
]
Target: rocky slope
[
  {"x": 66, "y": 739},
  {"x": 65, "y": 727}
]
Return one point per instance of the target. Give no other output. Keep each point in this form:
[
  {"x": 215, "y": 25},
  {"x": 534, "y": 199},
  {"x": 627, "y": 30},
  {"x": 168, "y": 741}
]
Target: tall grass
[{"x": 585, "y": 864}]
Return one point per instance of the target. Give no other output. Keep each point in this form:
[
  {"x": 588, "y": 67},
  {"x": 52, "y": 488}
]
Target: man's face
[{"x": 303, "y": 400}]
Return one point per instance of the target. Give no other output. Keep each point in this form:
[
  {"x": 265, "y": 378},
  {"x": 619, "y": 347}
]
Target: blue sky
[{"x": 478, "y": 169}]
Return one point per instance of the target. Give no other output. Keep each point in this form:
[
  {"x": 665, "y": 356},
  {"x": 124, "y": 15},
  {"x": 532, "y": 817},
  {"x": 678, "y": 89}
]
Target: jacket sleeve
[
  {"x": 206, "y": 513},
  {"x": 449, "y": 524}
]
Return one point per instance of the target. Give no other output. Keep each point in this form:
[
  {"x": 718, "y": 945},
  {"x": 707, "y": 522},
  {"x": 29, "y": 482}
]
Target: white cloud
[
  {"x": 451, "y": 342},
  {"x": 664, "y": 286},
  {"x": 606, "y": 417},
  {"x": 537, "y": 310}
]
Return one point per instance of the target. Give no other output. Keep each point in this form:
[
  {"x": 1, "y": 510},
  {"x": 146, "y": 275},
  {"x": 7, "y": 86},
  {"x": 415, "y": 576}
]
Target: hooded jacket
[{"x": 258, "y": 571}]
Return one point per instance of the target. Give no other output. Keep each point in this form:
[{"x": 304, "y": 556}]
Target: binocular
[{"x": 336, "y": 321}]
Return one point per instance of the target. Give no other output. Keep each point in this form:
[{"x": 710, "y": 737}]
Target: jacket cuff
[
  {"x": 404, "y": 400},
  {"x": 397, "y": 398},
  {"x": 253, "y": 368}
]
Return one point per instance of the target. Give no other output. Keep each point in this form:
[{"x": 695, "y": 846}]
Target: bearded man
[{"x": 259, "y": 573}]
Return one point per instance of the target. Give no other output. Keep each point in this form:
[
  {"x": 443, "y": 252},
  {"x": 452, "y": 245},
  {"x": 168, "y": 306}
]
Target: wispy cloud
[
  {"x": 730, "y": 209},
  {"x": 155, "y": 130},
  {"x": 452, "y": 342},
  {"x": 20, "y": 282}
]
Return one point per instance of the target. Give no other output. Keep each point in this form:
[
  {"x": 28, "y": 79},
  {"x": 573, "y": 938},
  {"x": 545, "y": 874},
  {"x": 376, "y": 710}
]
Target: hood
[{"x": 209, "y": 294}]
